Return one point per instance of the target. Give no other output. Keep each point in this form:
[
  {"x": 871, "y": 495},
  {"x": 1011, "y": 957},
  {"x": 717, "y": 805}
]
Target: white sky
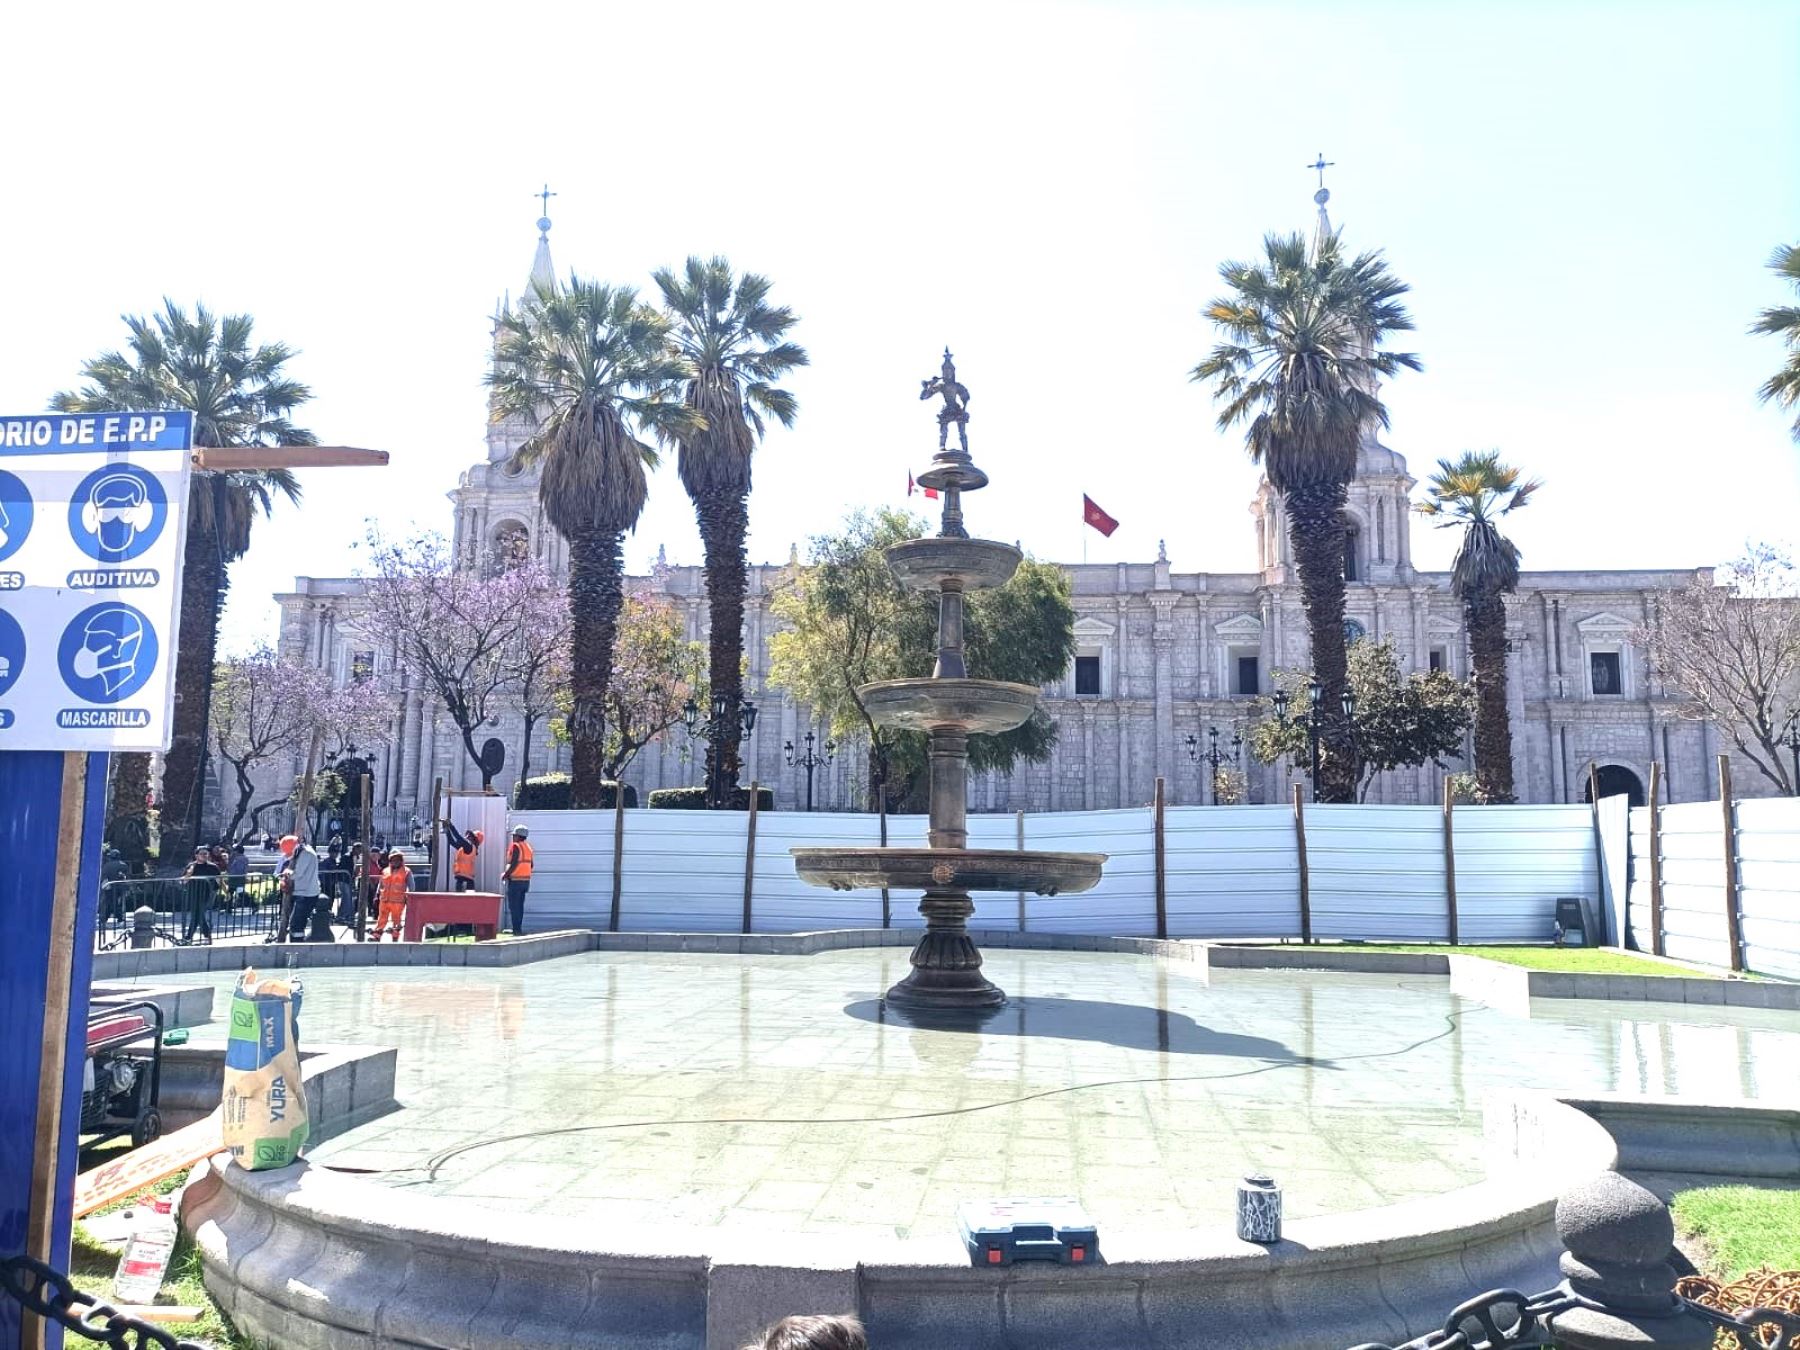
[{"x": 1582, "y": 195}]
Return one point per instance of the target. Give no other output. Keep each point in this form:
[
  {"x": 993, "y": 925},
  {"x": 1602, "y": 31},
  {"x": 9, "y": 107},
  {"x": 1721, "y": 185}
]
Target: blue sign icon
[
  {"x": 15, "y": 514},
  {"x": 12, "y": 652},
  {"x": 107, "y": 653},
  {"x": 117, "y": 512}
]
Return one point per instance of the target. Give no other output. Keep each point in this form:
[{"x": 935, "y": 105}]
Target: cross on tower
[
  {"x": 545, "y": 197},
  {"x": 1322, "y": 164}
]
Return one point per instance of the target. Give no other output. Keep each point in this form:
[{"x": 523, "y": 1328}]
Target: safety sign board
[{"x": 93, "y": 513}]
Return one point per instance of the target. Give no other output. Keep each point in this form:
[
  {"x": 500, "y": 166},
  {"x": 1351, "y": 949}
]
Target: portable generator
[{"x": 121, "y": 1082}]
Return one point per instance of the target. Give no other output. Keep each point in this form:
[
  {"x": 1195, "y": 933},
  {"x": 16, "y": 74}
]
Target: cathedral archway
[
  {"x": 1616, "y": 781},
  {"x": 509, "y": 546}
]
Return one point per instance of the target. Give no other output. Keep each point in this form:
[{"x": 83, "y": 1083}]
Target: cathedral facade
[{"x": 1162, "y": 657}]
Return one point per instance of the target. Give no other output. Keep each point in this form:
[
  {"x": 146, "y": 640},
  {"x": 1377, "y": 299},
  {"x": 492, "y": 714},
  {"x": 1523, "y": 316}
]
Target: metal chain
[
  {"x": 1501, "y": 1319},
  {"x": 1754, "y": 1328},
  {"x": 52, "y": 1295}
]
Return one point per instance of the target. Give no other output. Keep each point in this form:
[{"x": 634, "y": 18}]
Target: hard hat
[
  {"x": 477, "y": 836},
  {"x": 396, "y": 856},
  {"x": 289, "y": 843},
  {"x": 519, "y": 832}
]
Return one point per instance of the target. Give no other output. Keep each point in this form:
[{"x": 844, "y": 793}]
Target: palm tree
[
  {"x": 731, "y": 338},
  {"x": 1474, "y": 492},
  {"x": 240, "y": 394},
  {"x": 1783, "y": 321},
  {"x": 591, "y": 369},
  {"x": 1298, "y": 367}
]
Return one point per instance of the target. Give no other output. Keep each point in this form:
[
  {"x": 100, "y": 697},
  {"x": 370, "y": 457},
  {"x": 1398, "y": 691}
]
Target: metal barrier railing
[{"x": 197, "y": 911}]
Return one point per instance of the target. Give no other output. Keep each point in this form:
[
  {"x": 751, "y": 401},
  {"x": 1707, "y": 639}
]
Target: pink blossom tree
[{"x": 538, "y": 657}]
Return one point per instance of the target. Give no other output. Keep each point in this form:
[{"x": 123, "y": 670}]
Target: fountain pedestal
[{"x": 949, "y": 706}]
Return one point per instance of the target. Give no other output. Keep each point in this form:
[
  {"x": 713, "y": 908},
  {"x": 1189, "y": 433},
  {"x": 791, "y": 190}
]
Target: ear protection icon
[{"x": 122, "y": 493}]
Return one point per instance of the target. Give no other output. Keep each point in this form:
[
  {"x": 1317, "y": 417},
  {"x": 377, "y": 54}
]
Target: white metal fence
[{"x": 1371, "y": 872}]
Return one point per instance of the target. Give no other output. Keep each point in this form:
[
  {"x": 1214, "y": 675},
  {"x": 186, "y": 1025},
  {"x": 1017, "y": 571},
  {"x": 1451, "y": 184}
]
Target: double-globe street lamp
[
  {"x": 809, "y": 761},
  {"x": 713, "y": 731},
  {"x": 1215, "y": 756},
  {"x": 1314, "y": 721}
]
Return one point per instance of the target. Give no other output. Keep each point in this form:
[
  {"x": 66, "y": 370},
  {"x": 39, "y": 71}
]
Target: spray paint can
[{"x": 1259, "y": 1209}]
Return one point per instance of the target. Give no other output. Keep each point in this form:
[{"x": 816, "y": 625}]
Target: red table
[{"x": 480, "y": 909}]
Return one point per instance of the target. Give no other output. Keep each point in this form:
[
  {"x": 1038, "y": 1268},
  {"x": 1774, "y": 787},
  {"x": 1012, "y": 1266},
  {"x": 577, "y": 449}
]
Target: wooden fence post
[
  {"x": 1734, "y": 929},
  {"x": 1656, "y": 891},
  {"x": 1019, "y": 837},
  {"x": 887, "y": 904},
  {"x": 1162, "y": 878},
  {"x": 1450, "y": 858},
  {"x": 618, "y": 895},
  {"x": 360, "y": 872},
  {"x": 750, "y": 851},
  {"x": 1305, "y": 880}
]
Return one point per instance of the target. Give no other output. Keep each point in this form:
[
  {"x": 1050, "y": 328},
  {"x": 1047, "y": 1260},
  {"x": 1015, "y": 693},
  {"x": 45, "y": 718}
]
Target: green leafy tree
[
  {"x": 1783, "y": 321},
  {"x": 591, "y": 369},
  {"x": 734, "y": 344},
  {"x": 1297, "y": 367},
  {"x": 849, "y": 623},
  {"x": 1474, "y": 492},
  {"x": 240, "y": 394},
  {"x": 1401, "y": 721}
]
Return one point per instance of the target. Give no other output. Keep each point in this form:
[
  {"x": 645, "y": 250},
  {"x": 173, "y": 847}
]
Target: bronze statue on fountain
[{"x": 948, "y": 707}]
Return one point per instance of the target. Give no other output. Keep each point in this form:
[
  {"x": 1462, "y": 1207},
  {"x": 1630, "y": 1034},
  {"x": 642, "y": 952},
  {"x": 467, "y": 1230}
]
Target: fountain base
[{"x": 946, "y": 964}]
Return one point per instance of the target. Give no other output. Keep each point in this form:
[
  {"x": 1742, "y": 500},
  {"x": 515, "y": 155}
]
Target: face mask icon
[
  {"x": 110, "y": 645},
  {"x": 118, "y": 506}
]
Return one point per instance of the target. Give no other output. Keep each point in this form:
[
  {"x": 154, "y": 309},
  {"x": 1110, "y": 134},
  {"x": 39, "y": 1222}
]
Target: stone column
[
  {"x": 1087, "y": 756},
  {"x": 1162, "y": 636},
  {"x": 1123, "y": 719}
]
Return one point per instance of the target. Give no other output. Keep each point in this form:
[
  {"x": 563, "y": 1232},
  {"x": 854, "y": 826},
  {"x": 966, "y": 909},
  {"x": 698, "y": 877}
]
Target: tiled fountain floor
[{"x": 765, "y": 1092}]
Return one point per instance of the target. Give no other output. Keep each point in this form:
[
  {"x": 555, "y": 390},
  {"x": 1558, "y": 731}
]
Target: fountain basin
[
  {"x": 956, "y": 869},
  {"x": 927, "y": 564},
  {"x": 950, "y": 705}
]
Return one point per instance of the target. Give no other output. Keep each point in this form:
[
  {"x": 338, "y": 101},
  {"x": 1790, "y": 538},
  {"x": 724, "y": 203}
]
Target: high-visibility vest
[
  {"x": 522, "y": 868},
  {"x": 464, "y": 863},
  {"x": 393, "y": 886}
]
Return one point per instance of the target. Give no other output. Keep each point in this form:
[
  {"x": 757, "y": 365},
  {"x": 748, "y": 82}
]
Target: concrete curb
[{"x": 311, "y": 1258}]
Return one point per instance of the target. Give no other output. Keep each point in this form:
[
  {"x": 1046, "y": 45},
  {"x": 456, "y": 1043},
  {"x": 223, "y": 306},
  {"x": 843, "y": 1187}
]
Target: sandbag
[{"x": 264, "y": 1107}]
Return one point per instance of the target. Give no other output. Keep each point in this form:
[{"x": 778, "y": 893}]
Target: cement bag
[{"x": 264, "y": 1108}]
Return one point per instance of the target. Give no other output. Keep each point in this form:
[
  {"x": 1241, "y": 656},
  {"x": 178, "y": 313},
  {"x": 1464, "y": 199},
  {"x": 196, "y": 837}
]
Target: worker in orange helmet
[
  {"x": 396, "y": 877},
  {"x": 468, "y": 848}
]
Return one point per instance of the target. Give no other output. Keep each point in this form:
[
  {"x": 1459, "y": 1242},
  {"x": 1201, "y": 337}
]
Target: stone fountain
[{"x": 948, "y": 707}]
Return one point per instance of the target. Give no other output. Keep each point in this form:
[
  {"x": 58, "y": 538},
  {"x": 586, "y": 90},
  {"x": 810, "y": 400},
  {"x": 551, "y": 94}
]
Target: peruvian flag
[
  {"x": 912, "y": 487},
  {"x": 1093, "y": 515}
]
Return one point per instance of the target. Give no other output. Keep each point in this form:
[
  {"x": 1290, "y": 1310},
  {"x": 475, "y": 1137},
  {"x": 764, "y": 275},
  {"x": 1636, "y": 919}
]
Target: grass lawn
[
  {"x": 1575, "y": 960},
  {"x": 1741, "y": 1228}
]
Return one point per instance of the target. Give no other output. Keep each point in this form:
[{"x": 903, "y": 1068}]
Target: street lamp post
[
  {"x": 809, "y": 761},
  {"x": 1215, "y": 756},
  {"x": 712, "y": 731},
  {"x": 1790, "y": 737},
  {"x": 1315, "y": 721}
]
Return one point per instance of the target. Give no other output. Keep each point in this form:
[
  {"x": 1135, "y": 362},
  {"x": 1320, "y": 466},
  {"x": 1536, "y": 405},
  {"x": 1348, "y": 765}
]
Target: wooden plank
[
  {"x": 1656, "y": 889},
  {"x": 1162, "y": 870},
  {"x": 1450, "y": 857},
  {"x": 251, "y": 457},
  {"x": 144, "y": 1167},
  {"x": 618, "y": 858},
  {"x": 357, "y": 881},
  {"x": 1734, "y": 925},
  {"x": 54, "y": 1037},
  {"x": 750, "y": 853},
  {"x": 1305, "y": 881}
]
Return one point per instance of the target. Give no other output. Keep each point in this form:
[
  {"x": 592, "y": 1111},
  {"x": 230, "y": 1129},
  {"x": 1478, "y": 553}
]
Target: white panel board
[
  {"x": 1377, "y": 872},
  {"x": 1124, "y": 903},
  {"x": 1514, "y": 862},
  {"x": 1768, "y": 835},
  {"x": 1233, "y": 871}
]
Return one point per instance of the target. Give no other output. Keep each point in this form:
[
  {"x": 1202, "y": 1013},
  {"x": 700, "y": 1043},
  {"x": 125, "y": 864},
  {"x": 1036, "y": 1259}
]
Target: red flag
[
  {"x": 1094, "y": 516},
  {"x": 911, "y": 487}
]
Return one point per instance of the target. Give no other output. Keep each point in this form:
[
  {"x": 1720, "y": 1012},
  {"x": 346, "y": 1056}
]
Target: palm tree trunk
[
  {"x": 596, "y": 595},
  {"x": 127, "y": 815},
  {"x": 1485, "y": 615},
  {"x": 724, "y": 520},
  {"x": 1316, "y": 528},
  {"x": 203, "y": 584}
]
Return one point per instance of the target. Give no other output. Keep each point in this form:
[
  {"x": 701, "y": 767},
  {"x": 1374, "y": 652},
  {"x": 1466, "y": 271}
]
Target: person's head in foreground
[{"x": 813, "y": 1333}]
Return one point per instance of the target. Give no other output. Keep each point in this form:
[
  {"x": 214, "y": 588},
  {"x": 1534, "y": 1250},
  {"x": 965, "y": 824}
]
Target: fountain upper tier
[
  {"x": 938, "y": 704},
  {"x": 971, "y": 564}
]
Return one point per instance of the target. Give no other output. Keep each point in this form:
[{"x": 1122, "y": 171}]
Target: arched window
[{"x": 511, "y": 546}]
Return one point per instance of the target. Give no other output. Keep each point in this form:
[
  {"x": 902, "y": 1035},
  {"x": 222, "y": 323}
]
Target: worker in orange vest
[
  {"x": 395, "y": 878},
  {"x": 462, "y": 862},
  {"x": 517, "y": 876}
]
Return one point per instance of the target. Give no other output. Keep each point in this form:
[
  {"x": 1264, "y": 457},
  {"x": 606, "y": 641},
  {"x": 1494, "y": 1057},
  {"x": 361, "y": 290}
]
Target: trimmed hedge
[
  {"x": 551, "y": 793},
  {"x": 694, "y": 799}
]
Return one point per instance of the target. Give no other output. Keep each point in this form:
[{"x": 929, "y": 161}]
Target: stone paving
[{"x": 770, "y": 1093}]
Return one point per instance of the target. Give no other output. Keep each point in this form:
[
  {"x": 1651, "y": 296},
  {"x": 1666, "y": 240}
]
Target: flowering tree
[
  {"x": 456, "y": 630},
  {"x": 656, "y": 671},
  {"x": 537, "y": 660},
  {"x": 1734, "y": 650}
]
